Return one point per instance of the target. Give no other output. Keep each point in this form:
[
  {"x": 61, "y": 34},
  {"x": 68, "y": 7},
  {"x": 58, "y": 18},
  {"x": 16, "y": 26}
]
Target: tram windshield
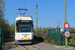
[{"x": 24, "y": 27}]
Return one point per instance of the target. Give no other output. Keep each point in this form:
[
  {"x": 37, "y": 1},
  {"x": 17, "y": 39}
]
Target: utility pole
[
  {"x": 36, "y": 21},
  {"x": 66, "y": 40}
]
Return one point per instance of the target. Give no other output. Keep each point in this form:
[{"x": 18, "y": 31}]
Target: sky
[{"x": 50, "y": 12}]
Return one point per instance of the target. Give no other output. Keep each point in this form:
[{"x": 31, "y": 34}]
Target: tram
[{"x": 24, "y": 29}]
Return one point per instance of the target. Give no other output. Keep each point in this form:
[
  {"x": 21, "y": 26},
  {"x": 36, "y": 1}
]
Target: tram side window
[
  {"x": 17, "y": 28},
  {"x": 32, "y": 27}
]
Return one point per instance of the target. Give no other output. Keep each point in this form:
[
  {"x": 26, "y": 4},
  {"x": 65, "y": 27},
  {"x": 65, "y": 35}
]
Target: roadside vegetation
[
  {"x": 4, "y": 23},
  {"x": 42, "y": 37}
]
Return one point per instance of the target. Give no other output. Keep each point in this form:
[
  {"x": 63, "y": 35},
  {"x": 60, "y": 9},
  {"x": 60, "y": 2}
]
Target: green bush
[
  {"x": 63, "y": 43},
  {"x": 71, "y": 40},
  {"x": 62, "y": 39},
  {"x": 71, "y": 44},
  {"x": 52, "y": 42},
  {"x": 44, "y": 36},
  {"x": 49, "y": 39}
]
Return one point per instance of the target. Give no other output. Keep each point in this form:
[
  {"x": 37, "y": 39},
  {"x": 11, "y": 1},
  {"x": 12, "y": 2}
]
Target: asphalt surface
[{"x": 36, "y": 46}]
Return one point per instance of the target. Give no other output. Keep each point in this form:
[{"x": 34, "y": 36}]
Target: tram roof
[{"x": 24, "y": 16}]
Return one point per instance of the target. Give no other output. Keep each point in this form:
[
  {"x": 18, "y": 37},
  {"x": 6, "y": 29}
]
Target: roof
[{"x": 24, "y": 16}]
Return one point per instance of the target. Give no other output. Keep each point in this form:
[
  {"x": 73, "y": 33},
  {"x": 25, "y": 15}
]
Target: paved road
[{"x": 37, "y": 46}]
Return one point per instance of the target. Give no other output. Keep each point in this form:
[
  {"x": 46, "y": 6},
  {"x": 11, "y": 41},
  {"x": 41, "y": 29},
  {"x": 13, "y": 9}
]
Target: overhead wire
[
  {"x": 25, "y": 3},
  {"x": 31, "y": 9},
  {"x": 28, "y": 10}
]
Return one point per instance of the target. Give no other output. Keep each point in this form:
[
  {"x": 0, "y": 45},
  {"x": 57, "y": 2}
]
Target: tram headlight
[
  {"x": 22, "y": 38},
  {"x": 28, "y": 38}
]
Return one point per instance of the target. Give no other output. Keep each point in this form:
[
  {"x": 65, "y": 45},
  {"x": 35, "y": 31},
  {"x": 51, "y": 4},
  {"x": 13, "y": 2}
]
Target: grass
[
  {"x": 4, "y": 49},
  {"x": 68, "y": 46},
  {"x": 53, "y": 43},
  {"x": 61, "y": 45},
  {"x": 49, "y": 42}
]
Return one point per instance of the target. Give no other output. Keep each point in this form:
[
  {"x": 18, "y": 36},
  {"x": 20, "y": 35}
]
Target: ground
[{"x": 11, "y": 45}]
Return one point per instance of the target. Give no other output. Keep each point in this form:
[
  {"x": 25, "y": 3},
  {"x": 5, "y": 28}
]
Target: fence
[
  {"x": 4, "y": 35},
  {"x": 55, "y": 35},
  {"x": 8, "y": 34},
  {"x": 1, "y": 37}
]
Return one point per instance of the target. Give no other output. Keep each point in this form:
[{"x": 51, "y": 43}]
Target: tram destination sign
[{"x": 24, "y": 21}]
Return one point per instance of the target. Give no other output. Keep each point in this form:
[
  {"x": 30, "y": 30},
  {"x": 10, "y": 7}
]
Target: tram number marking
[{"x": 25, "y": 37}]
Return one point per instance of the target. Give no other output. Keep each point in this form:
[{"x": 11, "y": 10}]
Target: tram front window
[{"x": 24, "y": 28}]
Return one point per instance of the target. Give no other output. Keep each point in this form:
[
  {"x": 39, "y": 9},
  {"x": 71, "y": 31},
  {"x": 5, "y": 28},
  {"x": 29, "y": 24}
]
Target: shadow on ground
[{"x": 36, "y": 40}]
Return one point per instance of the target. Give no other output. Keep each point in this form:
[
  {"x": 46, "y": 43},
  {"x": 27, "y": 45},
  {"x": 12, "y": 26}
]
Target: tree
[
  {"x": 13, "y": 26},
  {"x": 2, "y": 6},
  {"x": 72, "y": 29},
  {"x": 4, "y": 24},
  {"x": 2, "y": 20}
]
